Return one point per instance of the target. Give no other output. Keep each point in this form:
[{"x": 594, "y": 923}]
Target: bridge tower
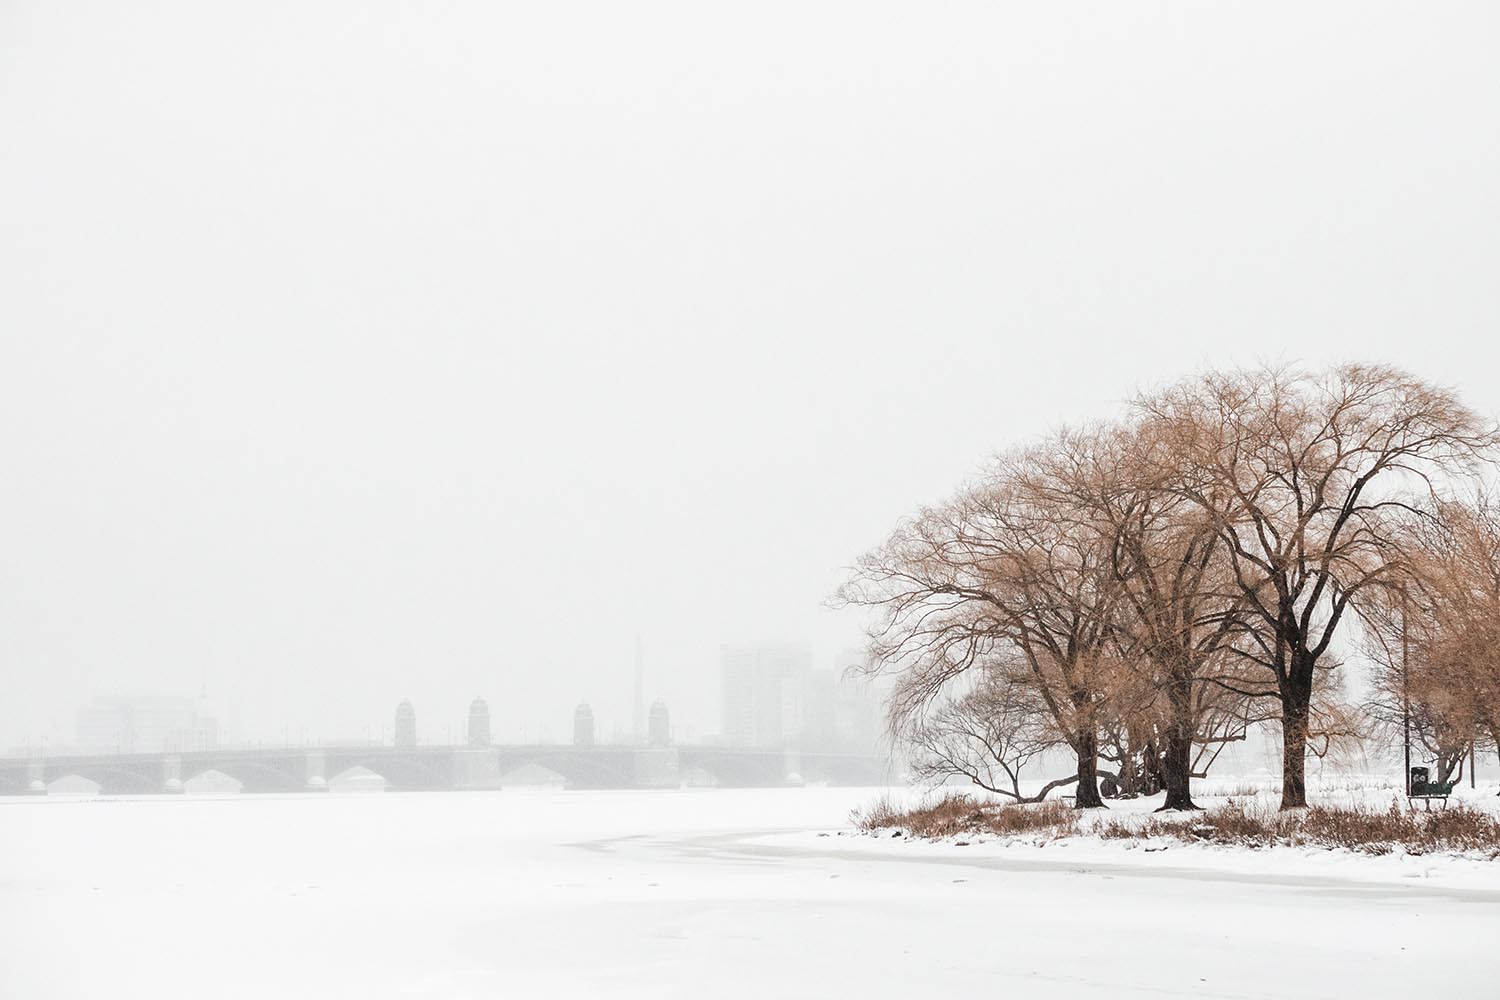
[
  {"x": 659, "y": 728},
  {"x": 406, "y": 725},
  {"x": 583, "y": 725},
  {"x": 479, "y": 723}
]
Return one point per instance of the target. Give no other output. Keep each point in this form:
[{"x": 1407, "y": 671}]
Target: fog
[{"x": 353, "y": 352}]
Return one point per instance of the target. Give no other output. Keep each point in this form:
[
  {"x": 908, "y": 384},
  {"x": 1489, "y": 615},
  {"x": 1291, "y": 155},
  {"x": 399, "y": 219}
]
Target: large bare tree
[
  {"x": 1308, "y": 479},
  {"x": 1178, "y": 613}
]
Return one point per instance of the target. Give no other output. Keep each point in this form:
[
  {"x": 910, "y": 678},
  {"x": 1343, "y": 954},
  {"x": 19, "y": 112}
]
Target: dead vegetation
[
  {"x": 1458, "y": 828},
  {"x": 957, "y": 815}
]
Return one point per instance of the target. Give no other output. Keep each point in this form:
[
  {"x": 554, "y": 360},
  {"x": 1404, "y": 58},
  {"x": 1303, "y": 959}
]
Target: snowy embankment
[
  {"x": 1184, "y": 855},
  {"x": 724, "y": 894}
]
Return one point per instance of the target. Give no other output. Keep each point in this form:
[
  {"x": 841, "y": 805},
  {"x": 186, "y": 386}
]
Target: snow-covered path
[{"x": 691, "y": 894}]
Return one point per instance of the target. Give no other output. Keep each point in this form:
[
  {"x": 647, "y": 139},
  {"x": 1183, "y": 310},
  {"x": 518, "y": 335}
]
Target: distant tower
[
  {"x": 638, "y": 707},
  {"x": 479, "y": 724},
  {"x": 406, "y": 725},
  {"x": 583, "y": 725},
  {"x": 660, "y": 729}
]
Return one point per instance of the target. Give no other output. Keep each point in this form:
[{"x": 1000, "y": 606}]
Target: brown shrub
[
  {"x": 880, "y": 814},
  {"x": 1458, "y": 828},
  {"x": 1054, "y": 817},
  {"x": 1461, "y": 828},
  {"x": 1355, "y": 829},
  {"x": 1114, "y": 828},
  {"x": 963, "y": 814},
  {"x": 947, "y": 816}
]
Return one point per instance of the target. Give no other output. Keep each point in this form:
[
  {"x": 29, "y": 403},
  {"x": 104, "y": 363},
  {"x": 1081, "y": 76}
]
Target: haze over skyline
[{"x": 359, "y": 352}]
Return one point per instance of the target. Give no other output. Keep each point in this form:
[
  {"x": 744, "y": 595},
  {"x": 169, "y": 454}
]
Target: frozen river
[{"x": 700, "y": 894}]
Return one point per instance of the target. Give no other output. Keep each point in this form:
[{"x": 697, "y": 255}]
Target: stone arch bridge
[{"x": 299, "y": 769}]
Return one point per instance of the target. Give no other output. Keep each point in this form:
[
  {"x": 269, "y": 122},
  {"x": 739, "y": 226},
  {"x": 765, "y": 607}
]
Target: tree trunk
[
  {"x": 1293, "y": 754},
  {"x": 1177, "y": 769},
  {"x": 1447, "y": 764},
  {"x": 1177, "y": 756},
  {"x": 1088, "y": 773}
]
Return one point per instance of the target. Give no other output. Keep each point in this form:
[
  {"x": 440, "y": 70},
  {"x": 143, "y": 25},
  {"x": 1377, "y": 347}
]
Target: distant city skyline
[{"x": 444, "y": 721}]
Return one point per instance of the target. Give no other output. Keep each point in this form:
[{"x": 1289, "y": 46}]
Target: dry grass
[
  {"x": 1458, "y": 828},
  {"x": 955, "y": 815}
]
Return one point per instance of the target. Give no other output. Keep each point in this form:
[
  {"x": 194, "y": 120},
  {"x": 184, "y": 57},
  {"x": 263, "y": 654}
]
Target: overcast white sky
[{"x": 354, "y": 351}]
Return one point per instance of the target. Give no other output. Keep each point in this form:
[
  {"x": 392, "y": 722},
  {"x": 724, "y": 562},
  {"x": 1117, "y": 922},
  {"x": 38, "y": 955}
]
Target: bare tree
[
  {"x": 1435, "y": 635},
  {"x": 997, "y": 572},
  {"x": 1178, "y": 612},
  {"x": 1308, "y": 479},
  {"x": 987, "y": 736}
]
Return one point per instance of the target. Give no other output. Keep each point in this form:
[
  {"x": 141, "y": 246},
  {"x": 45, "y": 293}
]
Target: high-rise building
[
  {"x": 660, "y": 733},
  {"x": 583, "y": 725},
  {"x": 406, "y": 725},
  {"x": 761, "y": 691},
  {"x": 145, "y": 724},
  {"x": 479, "y": 723},
  {"x": 638, "y": 701}
]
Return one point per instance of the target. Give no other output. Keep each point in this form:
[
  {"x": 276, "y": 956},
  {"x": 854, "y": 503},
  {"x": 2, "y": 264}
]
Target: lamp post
[{"x": 1405, "y": 701}]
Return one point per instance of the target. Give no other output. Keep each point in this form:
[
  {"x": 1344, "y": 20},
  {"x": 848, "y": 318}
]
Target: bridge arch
[
  {"x": 113, "y": 776},
  {"x": 253, "y": 774},
  {"x": 529, "y": 773},
  {"x": 73, "y": 783},
  {"x": 212, "y": 781},
  {"x": 401, "y": 771},
  {"x": 735, "y": 768},
  {"x": 357, "y": 778},
  {"x": 580, "y": 767}
]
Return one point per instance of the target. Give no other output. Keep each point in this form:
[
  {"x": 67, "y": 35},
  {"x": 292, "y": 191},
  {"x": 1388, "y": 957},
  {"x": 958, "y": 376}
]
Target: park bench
[{"x": 1418, "y": 787}]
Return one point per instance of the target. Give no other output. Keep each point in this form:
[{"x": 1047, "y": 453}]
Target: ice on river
[{"x": 702, "y": 894}]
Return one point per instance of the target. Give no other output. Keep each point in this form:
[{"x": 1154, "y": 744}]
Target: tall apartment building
[{"x": 762, "y": 691}]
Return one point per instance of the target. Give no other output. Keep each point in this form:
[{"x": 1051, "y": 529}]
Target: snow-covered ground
[{"x": 710, "y": 893}]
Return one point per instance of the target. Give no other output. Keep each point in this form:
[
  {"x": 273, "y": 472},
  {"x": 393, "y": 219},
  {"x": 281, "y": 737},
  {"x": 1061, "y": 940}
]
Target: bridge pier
[
  {"x": 27, "y": 777},
  {"x": 171, "y": 774},
  {"x": 476, "y": 770},
  {"x": 791, "y": 768},
  {"x": 656, "y": 768},
  {"x": 315, "y": 772}
]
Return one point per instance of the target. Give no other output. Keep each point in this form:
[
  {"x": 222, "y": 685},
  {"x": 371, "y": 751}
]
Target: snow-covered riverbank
[{"x": 710, "y": 893}]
